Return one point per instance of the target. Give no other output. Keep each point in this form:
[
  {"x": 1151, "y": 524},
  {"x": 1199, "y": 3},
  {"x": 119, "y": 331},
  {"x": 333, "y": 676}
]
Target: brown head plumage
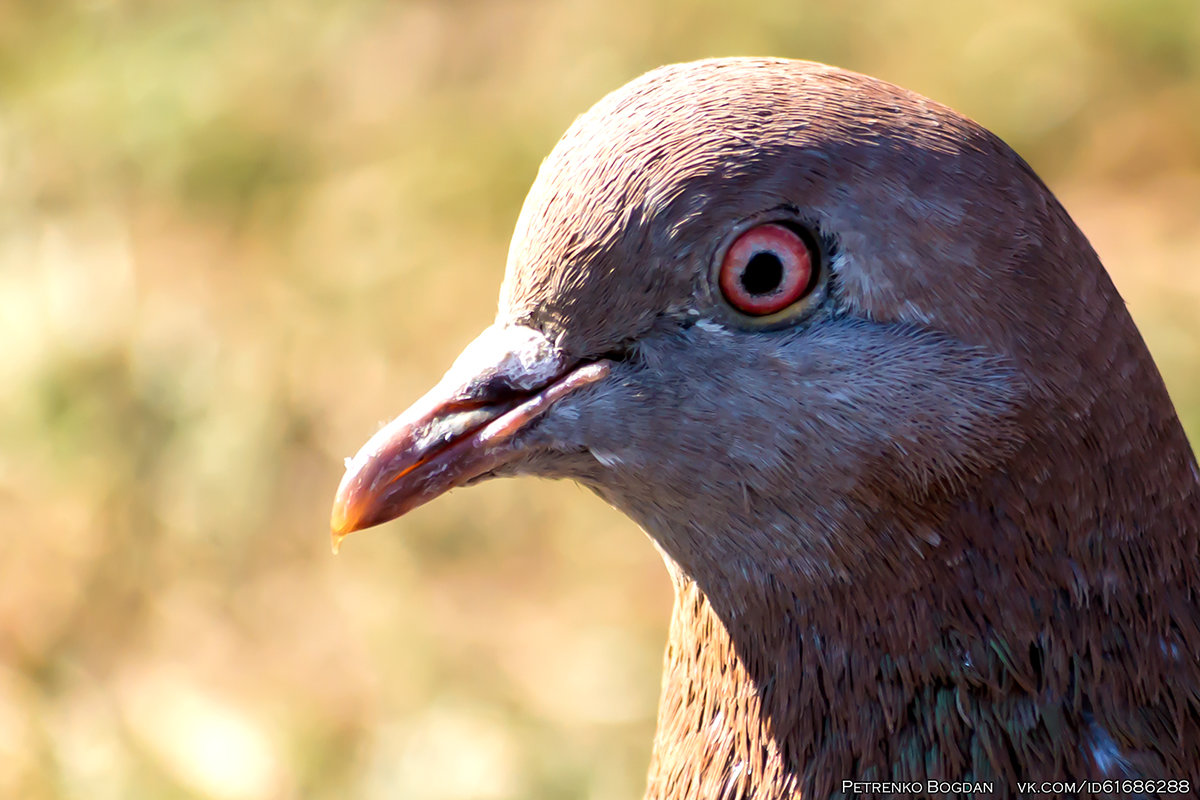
[{"x": 934, "y": 518}]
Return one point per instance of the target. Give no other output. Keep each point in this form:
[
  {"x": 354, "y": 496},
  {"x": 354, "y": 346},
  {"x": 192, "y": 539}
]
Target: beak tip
[{"x": 342, "y": 522}]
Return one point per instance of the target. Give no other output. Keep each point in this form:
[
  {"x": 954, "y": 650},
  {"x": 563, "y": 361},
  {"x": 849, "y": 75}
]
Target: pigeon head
[
  {"x": 845, "y": 358},
  {"x": 628, "y": 355}
]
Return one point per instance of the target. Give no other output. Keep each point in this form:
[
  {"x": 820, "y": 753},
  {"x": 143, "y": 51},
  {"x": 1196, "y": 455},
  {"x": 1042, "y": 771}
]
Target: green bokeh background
[{"x": 235, "y": 236}]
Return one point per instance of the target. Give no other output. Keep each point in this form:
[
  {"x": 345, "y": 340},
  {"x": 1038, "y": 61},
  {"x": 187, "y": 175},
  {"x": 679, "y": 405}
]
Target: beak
[{"x": 465, "y": 426}]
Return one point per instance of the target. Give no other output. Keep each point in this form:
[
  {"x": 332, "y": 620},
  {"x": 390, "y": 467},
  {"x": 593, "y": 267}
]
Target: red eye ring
[{"x": 765, "y": 270}]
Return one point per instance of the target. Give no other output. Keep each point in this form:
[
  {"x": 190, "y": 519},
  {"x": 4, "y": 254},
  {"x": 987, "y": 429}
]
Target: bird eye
[{"x": 766, "y": 269}]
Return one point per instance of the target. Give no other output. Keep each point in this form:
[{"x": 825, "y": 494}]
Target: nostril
[{"x": 492, "y": 390}]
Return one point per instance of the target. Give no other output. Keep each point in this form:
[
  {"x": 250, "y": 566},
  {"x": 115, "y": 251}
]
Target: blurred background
[{"x": 235, "y": 237}]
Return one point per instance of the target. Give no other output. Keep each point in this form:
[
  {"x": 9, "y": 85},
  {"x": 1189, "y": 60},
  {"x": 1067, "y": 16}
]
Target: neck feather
[{"x": 1029, "y": 644}]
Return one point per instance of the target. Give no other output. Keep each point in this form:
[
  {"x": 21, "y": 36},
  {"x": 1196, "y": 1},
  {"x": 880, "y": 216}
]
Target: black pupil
[{"x": 763, "y": 273}]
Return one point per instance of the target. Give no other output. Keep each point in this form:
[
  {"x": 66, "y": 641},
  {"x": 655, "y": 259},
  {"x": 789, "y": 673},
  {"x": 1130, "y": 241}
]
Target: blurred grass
[{"x": 234, "y": 236}]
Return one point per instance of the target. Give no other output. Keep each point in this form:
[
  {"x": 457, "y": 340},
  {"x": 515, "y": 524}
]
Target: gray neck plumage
[{"x": 1018, "y": 647}]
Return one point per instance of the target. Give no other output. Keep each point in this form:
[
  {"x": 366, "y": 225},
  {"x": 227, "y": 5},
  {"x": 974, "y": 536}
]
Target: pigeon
[{"x": 931, "y": 518}]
